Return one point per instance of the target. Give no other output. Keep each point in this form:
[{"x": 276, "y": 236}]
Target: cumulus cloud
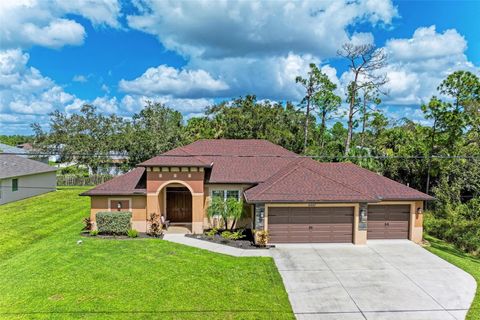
[
  {"x": 37, "y": 22},
  {"x": 229, "y": 29},
  {"x": 188, "y": 107},
  {"x": 418, "y": 65},
  {"x": 165, "y": 80},
  {"x": 24, "y": 89}
]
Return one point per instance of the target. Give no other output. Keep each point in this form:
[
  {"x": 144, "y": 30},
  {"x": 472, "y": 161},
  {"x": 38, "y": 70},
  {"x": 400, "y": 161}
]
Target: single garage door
[
  {"x": 294, "y": 225},
  {"x": 388, "y": 222}
]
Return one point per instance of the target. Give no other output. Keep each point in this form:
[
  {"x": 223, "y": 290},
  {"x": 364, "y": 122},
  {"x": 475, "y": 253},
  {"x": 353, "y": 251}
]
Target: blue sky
[{"x": 115, "y": 55}]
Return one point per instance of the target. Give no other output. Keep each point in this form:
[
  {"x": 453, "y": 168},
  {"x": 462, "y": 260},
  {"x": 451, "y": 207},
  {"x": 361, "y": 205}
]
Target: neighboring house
[
  {"x": 22, "y": 178},
  {"x": 5, "y": 148},
  {"x": 23, "y": 150},
  {"x": 296, "y": 199}
]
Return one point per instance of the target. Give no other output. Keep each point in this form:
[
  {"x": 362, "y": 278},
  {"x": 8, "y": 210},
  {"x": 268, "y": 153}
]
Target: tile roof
[
  {"x": 130, "y": 183},
  {"x": 15, "y": 166}
]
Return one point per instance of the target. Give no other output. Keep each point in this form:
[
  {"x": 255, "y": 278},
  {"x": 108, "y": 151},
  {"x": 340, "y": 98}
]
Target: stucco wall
[
  {"x": 245, "y": 222},
  {"x": 28, "y": 186},
  {"x": 137, "y": 207}
]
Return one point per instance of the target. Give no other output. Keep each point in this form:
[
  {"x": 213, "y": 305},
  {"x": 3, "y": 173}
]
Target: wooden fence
[{"x": 74, "y": 180}]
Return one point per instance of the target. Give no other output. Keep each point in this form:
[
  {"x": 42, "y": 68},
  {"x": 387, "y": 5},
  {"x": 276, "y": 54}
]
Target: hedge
[
  {"x": 465, "y": 234},
  {"x": 116, "y": 223}
]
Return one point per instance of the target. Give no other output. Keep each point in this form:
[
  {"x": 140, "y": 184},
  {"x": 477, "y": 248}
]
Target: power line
[{"x": 92, "y": 155}]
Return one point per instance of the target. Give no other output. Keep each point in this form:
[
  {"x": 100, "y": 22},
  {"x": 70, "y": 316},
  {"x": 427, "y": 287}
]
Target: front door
[{"x": 179, "y": 205}]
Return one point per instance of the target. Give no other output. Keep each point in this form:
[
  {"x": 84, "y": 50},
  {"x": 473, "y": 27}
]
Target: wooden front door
[{"x": 179, "y": 205}]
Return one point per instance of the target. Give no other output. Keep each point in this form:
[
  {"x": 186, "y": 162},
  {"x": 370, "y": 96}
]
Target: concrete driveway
[{"x": 392, "y": 279}]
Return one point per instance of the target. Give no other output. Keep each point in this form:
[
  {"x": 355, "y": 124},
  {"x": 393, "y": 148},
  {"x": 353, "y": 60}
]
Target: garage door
[
  {"x": 388, "y": 222},
  {"x": 293, "y": 225}
]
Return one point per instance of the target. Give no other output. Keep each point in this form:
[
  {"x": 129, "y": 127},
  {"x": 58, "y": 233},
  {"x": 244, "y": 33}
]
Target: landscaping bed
[
  {"x": 141, "y": 235},
  {"x": 243, "y": 243}
]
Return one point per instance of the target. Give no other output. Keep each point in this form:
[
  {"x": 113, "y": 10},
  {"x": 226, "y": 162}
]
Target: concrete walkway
[
  {"x": 215, "y": 247},
  {"x": 383, "y": 280}
]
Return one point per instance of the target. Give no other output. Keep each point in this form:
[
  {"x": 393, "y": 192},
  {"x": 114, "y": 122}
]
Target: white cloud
[
  {"x": 188, "y": 107},
  {"x": 165, "y": 80},
  {"x": 79, "y": 78},
  {"x": 426, "y": 43},
  {"x": 220, "y": 29},
  {"x": 36, "y": 22},
  {"x": 419, "y": 64},
  {"x": 23, "y": 89},
  {"x": 106, "y": 104}
]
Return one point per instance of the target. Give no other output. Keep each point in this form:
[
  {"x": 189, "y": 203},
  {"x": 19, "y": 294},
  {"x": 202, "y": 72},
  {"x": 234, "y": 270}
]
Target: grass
[
  {"x": 462, "y": 260},
  {"x": 47, "y": 275}
]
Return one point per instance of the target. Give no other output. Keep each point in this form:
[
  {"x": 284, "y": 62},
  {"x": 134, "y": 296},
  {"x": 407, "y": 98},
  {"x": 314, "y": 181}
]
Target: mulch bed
[
  {"x": 245, "y": 243},
  {"x": 141, "y": 235}
]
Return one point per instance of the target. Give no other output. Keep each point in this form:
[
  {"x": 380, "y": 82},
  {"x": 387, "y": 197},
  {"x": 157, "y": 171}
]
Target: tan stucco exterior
[
  {"x": 158, "y": 178},
  {"x": 136, "y": 207}
]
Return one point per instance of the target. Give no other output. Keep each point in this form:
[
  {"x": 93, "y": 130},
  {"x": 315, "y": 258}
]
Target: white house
[{"x": 22, "y": 178}]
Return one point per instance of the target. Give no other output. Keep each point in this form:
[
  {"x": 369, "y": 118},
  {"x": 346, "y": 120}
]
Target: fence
[{"x": 74, "y": 180}]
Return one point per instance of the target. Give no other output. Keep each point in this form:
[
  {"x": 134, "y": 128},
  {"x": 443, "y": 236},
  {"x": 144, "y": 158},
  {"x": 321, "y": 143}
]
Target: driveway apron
[{"x": 385, "y": 279}]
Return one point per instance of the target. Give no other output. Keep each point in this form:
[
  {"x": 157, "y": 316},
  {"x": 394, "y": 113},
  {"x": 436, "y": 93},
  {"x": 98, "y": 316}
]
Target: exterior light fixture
[
  {"x": 119, "y": 206},
  {"x": 419, "y": 211}
]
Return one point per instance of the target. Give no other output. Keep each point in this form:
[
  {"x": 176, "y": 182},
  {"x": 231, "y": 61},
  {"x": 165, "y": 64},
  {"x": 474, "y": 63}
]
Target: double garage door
[
  {"x": 335, "y": 224},
  {"x": 316, "y": 224}
]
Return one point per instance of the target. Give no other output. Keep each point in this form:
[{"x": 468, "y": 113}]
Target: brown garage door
[
  {"x": 289, "y": 224},
  {"x": 388, "y": 222}
]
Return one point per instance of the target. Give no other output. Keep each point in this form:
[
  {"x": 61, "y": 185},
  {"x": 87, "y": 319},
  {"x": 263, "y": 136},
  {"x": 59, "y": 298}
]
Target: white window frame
[{"x": 225, "y": 191}]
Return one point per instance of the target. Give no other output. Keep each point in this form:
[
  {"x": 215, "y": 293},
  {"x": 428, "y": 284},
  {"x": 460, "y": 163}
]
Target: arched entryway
[{"x": 178, "y": 205}]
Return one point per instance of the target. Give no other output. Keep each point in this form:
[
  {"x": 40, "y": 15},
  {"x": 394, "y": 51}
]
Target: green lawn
[
  {"x": 464, "y": 261},
  {"x": 47, "y": 275}
]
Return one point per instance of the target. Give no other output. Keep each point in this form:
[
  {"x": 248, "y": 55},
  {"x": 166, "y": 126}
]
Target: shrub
[
  {"x": 132, "y": 233},
  {"x": 94, "y": 233},
  {"x": 229, "y": 235},
  {"x": 212, "y": 232},
  {"x": 87, "y": 224},
  {"x": 154, "y": 225},
  {"x": 116, "y": 223},
  {"x": 454, "y": 228},
  {"x": 261, "y": 237}
]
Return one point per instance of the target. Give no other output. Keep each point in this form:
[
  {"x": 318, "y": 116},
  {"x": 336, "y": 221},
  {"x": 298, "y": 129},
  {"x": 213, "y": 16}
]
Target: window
[
  {"x": 233, "y": 194},
  {"x": 226, "y": 194},
  {"x": 14, "y": 184}
]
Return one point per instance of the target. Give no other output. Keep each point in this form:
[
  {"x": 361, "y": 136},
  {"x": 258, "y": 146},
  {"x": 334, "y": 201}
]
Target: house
[
  {"x": 295, "y": 198},
  {"x": 23, "y": 150},
  {"x": 21, "y": 178}
]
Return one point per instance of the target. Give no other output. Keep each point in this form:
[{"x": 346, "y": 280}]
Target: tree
[
  {"x": 87, "y": 138},
  {"x": 464, "y": 88},
  {"x": 246, "y": 118},
  {"x": 365, "y": 62},
  {"x": 326, "y": 101},
  {"x": 436, "y": 110},
  {"x": 156, "y": 129},
  {"x": 312, "y": 84},
  {"x": 369, "y": 96}
]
